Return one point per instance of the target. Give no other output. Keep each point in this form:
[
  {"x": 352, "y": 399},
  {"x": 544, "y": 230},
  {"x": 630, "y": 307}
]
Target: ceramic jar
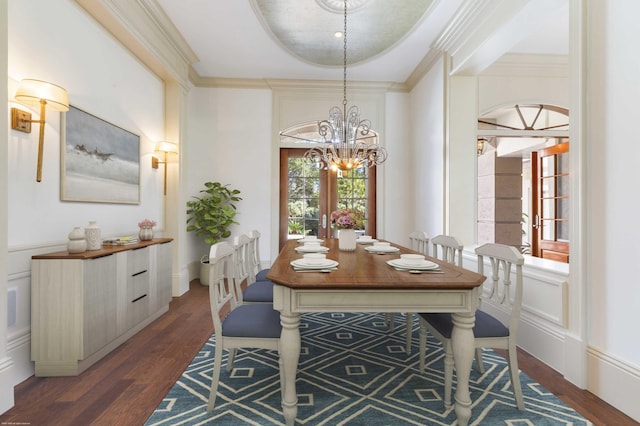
[
  {"x": 146, "y": 233},
  {"x": 92, "y": 234},
  {"x": 347, "y": 239},
  {"x": 77, "y": 242}
]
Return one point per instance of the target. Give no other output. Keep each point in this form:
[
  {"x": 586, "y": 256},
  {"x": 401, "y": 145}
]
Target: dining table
[{"x": 364, "y": 281}]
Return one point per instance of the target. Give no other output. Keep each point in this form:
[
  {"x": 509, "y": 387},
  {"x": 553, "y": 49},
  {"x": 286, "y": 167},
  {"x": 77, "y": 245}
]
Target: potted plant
[{"x": 210, "y": 217}]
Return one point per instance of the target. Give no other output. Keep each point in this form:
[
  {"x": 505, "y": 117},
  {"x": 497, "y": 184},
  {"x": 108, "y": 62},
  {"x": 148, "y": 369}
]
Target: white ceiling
[{"x": 232, "y": 39}]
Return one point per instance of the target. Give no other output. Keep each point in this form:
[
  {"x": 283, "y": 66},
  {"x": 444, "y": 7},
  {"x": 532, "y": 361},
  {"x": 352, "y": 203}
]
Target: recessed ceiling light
[{"x": 337, "y": 34}]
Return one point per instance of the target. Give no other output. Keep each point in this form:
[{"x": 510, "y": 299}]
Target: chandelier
[{"x": 344, "y": 135}]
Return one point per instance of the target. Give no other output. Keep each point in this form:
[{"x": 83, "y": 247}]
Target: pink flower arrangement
[
  {"x": 147, "y": 223},
  {"x": 347, "y": 219}
]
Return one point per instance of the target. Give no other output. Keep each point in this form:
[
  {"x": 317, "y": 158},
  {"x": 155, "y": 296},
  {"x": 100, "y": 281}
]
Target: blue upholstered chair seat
[
  {"x": 255, "y": 321},
  {"x": 259, "y": 292},
  {"x": 262, "y": 275},
  {"x": 486, "y": 325}
]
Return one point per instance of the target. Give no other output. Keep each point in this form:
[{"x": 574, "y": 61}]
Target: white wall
[
  {"x": 613, "y": 202},
  {"x": 102, "y": 78},
  {"x": 232, "y": 130},
  {"x": 6, "y": 363},
  {"x": 396, "y": 215},
  {"x": 427, "y": 151}
]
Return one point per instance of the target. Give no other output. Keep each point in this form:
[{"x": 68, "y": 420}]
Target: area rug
[{"x": 353, "y": 371}]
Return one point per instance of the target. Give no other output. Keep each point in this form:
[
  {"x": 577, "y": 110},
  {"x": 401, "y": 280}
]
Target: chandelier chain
[
  {"x": 345, "y": 146},
  {"x": 344, "y": 86}
]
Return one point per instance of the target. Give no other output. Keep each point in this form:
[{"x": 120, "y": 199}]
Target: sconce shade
[
  {"x": 31, "y": 92},
  {"x": 165, "y": 147}
]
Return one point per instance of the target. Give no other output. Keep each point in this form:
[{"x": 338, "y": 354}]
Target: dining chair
[
  {"x": 260, "y": 274},
  {"x": 447, "y": 248},
  {"x": 489, "y": 332},
  {"x": 245, "y": 325},
  {"x": 419, "y": 241},
  {"x": 256, "y": 291}
]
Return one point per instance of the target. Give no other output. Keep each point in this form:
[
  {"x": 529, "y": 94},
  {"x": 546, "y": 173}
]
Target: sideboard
[{"x": 84, "y": 305}]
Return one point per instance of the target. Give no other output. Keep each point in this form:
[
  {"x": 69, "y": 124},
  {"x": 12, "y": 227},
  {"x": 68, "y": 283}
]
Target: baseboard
[
  {"x": 614, "y": 382},
  {"x": 19, "y": 350},
  {"x": 6, "y": 384}
]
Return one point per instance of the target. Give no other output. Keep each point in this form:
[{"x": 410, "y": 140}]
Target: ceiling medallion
[{"x": 337, "y": 6}]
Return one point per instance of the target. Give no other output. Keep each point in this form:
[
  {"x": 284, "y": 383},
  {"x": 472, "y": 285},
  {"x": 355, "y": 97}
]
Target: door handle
[
  {"x": 536, "y": 222},
  {"x": 324, "y": 221}
]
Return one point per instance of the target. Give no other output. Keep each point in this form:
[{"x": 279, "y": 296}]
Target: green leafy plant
[{"x": 211, "y": 215}]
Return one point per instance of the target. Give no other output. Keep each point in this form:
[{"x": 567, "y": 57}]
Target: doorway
[{"x": 308, "y": 195}]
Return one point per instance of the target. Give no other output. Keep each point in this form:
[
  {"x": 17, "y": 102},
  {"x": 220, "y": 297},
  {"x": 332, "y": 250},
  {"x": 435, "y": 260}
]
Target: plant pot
[{"x": 204, "y": 270}]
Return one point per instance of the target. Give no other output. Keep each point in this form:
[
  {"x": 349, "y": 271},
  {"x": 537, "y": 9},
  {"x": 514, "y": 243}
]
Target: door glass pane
[
  {"x": 352, "y": 191},
  {"x": 304, "y": 198},
  {"x": 563, "y": 163},
  {"x": 563, "y": 186},
  {"x": 563, "y": 231},
  {"x": 548, "y": 230},
  {"x": 563, "y": 208},
  {"x": 548, "y": 166},
  {"x": 548, "y": 208},
  {"x": 548, "y": 187}
]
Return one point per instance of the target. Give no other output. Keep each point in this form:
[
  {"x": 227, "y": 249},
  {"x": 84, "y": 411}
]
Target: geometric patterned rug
[{"x": 353, "y": 371}]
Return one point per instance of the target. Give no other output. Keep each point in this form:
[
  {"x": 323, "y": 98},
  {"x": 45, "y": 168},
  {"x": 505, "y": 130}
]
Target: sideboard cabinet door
[{"x": 100, "y": 304}]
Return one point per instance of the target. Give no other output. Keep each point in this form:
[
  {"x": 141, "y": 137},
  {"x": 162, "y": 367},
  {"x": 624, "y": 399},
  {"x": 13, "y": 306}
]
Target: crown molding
[
  {"x": 278, "y": 84},
  {"x": 484, "y": 30},
  {"x": 142, "y": 27}
]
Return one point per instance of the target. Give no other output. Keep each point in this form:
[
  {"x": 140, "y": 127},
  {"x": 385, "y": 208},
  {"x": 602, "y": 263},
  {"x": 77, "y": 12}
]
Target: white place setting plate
[
  {"x": 303, "y": 264},
  {"x": 374, "y": 249},
  {"x": 365, "y": 241},
  {"x": 312, "y": 248},
  {"x": 308, "y": 240},
  {"x": 425, "y": 265}
]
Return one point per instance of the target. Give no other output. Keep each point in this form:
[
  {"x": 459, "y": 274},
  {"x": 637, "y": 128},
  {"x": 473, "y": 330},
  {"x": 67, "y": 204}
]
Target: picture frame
[{"x": 99, "y": 161}]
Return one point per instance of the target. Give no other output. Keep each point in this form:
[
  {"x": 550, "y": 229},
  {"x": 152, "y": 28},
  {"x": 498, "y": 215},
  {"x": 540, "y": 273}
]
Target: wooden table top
[
  {"x": 363, "y": 270},
  {"x": 105, "y": 250}
]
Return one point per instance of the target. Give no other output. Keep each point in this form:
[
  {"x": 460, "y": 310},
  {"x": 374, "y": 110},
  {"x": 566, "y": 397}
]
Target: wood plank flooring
[{"x": 125, "y": 387}]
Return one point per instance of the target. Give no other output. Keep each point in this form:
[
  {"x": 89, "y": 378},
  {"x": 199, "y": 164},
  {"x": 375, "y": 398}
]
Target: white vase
[
  {"x": 92, "y": 234},
  {"x": 347, "y": 239},
  {"x": 77, "y": 242},
  {"x": 146, "y": 233}
]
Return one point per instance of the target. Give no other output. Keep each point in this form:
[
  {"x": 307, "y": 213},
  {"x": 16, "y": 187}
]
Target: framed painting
[{"x": 99, "y": 161}]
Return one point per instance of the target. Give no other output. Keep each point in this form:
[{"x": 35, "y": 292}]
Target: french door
[
  {"x": 309, "y": 194},
  {"x": 550, "y": 184}
]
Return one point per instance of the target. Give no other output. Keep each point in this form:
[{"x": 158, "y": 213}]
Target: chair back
[
  {"x": 506, "y": 262},
  {"x": 419, "y": 242},
  {"x": 254, "y": 248},
  {"x": 242, "y": 262},
  {"x": 221, "y": 280},
  {"x": 447, "y": 248}
]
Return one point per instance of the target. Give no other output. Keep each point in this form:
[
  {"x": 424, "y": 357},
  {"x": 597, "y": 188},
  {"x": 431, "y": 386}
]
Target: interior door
[{"x": 550, "y": 227}]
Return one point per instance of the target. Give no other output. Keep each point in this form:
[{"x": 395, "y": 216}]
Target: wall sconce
[
  {"x": 165, "y": 147},
  {"x": 480, "y": 145},
  {"x": 33, "y": 92}
]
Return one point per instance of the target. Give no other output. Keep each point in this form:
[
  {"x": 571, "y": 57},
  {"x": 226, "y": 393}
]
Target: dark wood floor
[{"x": 125, "y": 387}]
